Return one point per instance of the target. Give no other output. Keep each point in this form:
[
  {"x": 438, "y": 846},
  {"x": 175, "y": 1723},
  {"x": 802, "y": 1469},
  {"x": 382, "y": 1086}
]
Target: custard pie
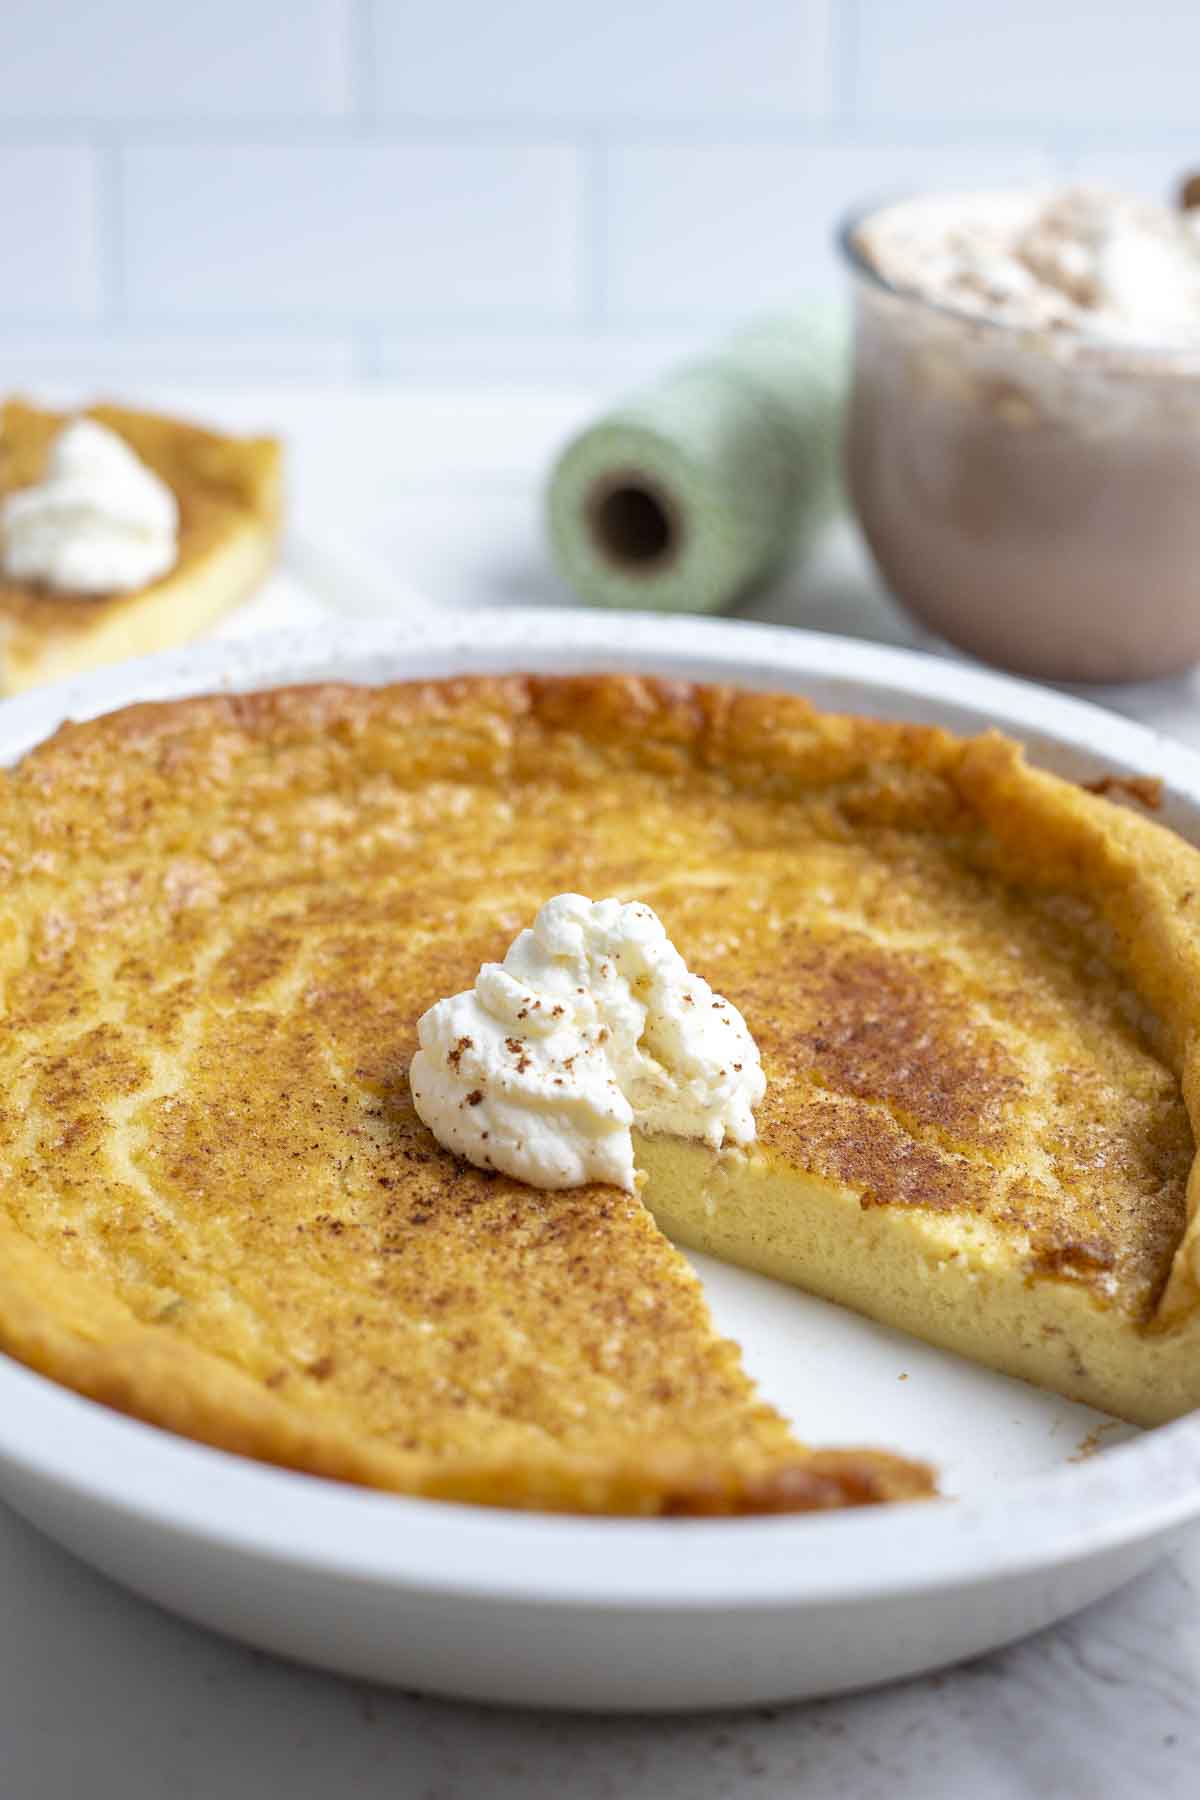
[
  {"x": 225, "y": 494},
  {"x": 975, "y": 988}
]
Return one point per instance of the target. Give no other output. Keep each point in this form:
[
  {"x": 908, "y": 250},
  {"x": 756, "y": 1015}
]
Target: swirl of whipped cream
[
  {"x": 99, "y": 521},
  {"x": 592, "y": 1024}
]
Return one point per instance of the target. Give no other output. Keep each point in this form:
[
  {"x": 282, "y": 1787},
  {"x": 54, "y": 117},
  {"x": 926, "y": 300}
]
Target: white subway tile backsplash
[
  {"x": 186, "y": 59},
  {"x": 721, "y": 229},
  {"x": 1027, "y": 62},
  {"x": 97, "y": 358},
  {"x": 49, "y": 227},
  {"x": 367, "y": 230},
  {"x": 603, "y": 360},
  {"x": 551, "y": 59},
  {"x": 539, "y": 191}
]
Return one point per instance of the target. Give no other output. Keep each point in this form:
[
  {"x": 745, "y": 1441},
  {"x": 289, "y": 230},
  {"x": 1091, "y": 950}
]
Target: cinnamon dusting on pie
[{"x": 975, "y": 992}]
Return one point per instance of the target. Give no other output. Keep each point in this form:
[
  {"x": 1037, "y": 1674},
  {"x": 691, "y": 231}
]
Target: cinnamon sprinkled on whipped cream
[{"x": 592, "y": 1025}]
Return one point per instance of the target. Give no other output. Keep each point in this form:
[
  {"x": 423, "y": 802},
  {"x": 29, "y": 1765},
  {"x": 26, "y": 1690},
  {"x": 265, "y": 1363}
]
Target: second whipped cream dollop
[
  {"x": 99, "y": 522},
  {"x": 592, "y": 1024}
]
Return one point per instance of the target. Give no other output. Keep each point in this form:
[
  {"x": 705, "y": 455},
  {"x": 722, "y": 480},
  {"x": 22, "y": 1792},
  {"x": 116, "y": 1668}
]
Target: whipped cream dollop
[
  {"x": 592, "y": 1024},
  {"x": 99, "y": 521},
  {"x": 1079, "y": 262}
]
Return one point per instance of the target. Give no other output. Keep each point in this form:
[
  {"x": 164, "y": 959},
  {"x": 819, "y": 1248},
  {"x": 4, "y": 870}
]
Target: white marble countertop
[{"x": 436, "y": 492}]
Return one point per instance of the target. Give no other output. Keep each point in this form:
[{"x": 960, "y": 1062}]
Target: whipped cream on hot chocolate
[{"x": 1080, "y": 263}]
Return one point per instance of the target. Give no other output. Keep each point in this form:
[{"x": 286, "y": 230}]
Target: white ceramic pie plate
[{"x": 610, "y": 1614}]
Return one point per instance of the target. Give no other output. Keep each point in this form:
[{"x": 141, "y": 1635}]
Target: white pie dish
[{"x": 608, "y": 1614}]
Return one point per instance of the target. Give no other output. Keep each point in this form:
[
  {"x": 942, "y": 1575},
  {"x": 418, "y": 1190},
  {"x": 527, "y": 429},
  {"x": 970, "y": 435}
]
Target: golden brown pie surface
[
  {"x": 973, "y": 988},
  {"x": 228, "y": 490}
]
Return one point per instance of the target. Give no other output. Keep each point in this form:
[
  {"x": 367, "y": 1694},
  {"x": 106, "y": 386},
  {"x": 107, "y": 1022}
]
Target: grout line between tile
[
  {"x": 360, "y": 26},
  {"x": 110, "y": 227},
  {"x": 594, "y": 231},
  {"x": 366, "y": 354},
  {"x": 845, "y": 25},
  {"x": 720, "y": 132}
]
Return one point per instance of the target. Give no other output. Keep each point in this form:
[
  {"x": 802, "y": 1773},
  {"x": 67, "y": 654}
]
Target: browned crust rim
[
  {"x": 1033, "y": 828},
  {"x": 141, "y": 1371}
]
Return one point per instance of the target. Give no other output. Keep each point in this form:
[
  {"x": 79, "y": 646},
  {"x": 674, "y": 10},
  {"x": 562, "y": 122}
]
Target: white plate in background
[
  {"x": 283, "y": 603},
  {"x": 342, "y": 577},
  {"x": 318, "y": 577},
  {"x": 647, "y": 1614}
]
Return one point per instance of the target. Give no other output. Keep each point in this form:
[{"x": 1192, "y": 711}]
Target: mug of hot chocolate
[{"x": 1023, "y": 442}]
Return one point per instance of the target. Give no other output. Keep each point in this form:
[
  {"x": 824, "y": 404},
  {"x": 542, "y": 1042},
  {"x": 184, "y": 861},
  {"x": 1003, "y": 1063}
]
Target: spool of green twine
[{"x": 698, "y": 488}]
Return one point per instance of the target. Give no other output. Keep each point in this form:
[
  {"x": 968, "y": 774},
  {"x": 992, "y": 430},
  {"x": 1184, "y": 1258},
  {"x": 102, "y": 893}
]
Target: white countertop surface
[{"x": 434, "y": 493}]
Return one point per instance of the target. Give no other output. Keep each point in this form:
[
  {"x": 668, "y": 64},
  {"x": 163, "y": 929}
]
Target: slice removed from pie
[
  {"x": 229, "y": 494},
  {"x": 974, "y": 988}
]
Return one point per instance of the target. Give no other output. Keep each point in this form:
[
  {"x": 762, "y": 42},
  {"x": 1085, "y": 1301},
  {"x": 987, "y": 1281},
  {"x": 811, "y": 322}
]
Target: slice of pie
[
  {"x": 228, "y": 494},
  {"x": 975, "y": 988}
]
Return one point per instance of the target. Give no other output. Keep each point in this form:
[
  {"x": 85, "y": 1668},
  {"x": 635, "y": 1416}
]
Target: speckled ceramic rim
[{"x": 401, "y": 1546}]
